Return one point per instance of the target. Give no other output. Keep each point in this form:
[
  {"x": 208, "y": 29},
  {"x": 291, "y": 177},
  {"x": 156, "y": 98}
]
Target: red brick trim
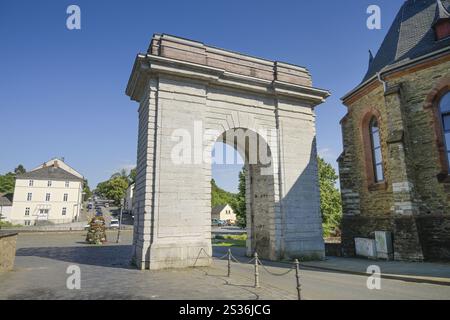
[
  {"x": 367, "y": 149},
  {"x": 431, "y": 104}
]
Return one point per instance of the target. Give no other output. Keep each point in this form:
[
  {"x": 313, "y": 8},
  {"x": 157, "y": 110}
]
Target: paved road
[{"x": 42, "y": 260}]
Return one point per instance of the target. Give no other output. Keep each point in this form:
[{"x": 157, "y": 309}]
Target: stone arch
[
  {"x": 260, "y": 190},
  {"x": 199, "y": 93}
]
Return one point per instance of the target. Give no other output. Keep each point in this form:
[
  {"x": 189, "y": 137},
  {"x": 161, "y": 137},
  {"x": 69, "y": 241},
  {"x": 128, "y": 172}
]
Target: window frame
[
  {"x": 373, "y": 184},
  {"x": 442, "y": 124}
]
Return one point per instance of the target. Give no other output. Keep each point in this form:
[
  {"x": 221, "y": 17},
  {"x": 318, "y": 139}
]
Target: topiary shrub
[{"x": 97, "y": 231}]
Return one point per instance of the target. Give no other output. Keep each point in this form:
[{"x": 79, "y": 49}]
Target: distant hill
[{"x": 220, "y": 196}]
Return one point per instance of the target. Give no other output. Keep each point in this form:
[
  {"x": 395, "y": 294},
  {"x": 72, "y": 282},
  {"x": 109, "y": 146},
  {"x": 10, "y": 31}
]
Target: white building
[
  {"x": 223, "y": 212},
  {"x": 51, "y": 193},
  {"x": 128, "y": 205},
  {"x": 5, "y": 207}
]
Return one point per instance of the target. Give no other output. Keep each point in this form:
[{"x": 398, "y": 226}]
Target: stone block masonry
[{"x": 181, "y": 83}]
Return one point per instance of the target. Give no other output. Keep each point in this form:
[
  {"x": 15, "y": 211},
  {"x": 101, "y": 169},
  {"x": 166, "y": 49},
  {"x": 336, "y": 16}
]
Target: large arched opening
[{"x": 254, "y": 155}]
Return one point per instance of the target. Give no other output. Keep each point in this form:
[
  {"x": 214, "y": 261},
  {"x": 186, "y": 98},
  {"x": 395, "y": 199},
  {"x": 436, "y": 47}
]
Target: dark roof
[
  {"x": 49, "y": 173},
  {"x": 6, "y": 199},
  {"x": 218, "y": 209},
  {"x": 411, "y": 35}
]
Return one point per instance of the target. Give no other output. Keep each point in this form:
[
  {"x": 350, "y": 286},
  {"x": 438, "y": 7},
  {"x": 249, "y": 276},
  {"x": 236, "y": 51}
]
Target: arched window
[
  {"x": 377, "y": 158},
  {"x": 444, "y": 110}
]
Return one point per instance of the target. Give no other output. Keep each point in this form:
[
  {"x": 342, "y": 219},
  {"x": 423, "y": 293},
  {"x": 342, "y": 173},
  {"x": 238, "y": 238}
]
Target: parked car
[
  {"x": 218, "y": 223},
  {"x": 114, "y": 223}
]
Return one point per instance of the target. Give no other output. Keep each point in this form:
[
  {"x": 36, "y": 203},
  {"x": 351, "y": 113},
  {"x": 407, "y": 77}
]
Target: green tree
[
  {"x": 7, "y": 183},
  {"x": 113, "y": 189},
  {"x": 330, "y": 199},
  {"x": 87, "y": 191},
  {"x": 239, "y": 205},
  {"x": 20, "y": 169},
  {"x": 132, "y": 176},
  {"x": 220, "y": 196}
]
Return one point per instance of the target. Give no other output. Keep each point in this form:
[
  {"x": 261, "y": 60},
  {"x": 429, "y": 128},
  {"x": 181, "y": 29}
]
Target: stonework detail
[{"x": 181, "y": 82}]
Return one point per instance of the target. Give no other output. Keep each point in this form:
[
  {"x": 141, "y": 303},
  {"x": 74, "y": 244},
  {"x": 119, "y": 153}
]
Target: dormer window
[{"x": 441, "y": 23}]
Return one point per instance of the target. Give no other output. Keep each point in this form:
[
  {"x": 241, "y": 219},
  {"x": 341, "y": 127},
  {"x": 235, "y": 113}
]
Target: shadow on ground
[{"x": 103, "y": 256}]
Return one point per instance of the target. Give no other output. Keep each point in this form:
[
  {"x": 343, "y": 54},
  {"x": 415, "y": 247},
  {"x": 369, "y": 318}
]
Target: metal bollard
[
  {"x": 256, "y": 271},
  {"x": 229, "y": 263},
  {"x": 297, "y": 275}
]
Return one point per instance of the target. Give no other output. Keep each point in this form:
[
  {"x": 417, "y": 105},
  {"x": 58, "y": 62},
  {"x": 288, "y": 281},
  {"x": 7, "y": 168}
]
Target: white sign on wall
[{"x": 365, "y": 247}]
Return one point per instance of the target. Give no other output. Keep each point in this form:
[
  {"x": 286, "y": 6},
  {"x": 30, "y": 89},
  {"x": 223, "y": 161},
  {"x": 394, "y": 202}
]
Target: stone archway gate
[{"x": 184, "y": 84}]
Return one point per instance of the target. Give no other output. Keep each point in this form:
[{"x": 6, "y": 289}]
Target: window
[
  {"x": 49, "y": 183},
  {"x": 47, "y": 197},
  {"x": 27, "y": 222},
  {"x": 67, "y": 184},
  {"x": 377, "y": 157},
  {"x": 27, "y": 211},
  {"x": 65, "y": 197},
  {"x": 30, "y": 183},
  {"x": 64, "y": 211},
  {"x": 29, "y": 196},
  {"x": 444, "y": 110}
]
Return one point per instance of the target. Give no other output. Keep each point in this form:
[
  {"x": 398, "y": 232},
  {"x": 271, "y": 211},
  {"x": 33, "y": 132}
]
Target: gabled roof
[
  {"x": 411, "y": 35},
  {"x": 218, "y": 209},
  {"x": 49, "y": 173},
  {"x": 441, "y": 14},
  {"x": 6, "y": 199}
]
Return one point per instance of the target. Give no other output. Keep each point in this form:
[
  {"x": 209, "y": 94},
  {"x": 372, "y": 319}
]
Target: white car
[{"x": 114, "y": 223}]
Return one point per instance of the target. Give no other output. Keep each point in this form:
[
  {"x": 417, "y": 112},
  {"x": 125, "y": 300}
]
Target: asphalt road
[{"x": 42, "y": 260}]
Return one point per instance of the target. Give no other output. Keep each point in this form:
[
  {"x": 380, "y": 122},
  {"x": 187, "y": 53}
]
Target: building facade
[
  {"x": 394, "y": 169},
  {"x": 50, "y": 193},
  {"x": 5, "y": 207},
  {"x": 223, "y": 212}
]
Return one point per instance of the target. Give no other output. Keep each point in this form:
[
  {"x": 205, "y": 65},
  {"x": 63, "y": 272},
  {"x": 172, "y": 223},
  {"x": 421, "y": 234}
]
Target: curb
[{"x": 386, "y": 276}]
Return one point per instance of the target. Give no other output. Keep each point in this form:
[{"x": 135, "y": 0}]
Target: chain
[{"x": 273, "y": 273}]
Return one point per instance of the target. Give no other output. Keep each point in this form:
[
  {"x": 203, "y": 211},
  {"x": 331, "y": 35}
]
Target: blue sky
[{"x": 62, "y": 92}]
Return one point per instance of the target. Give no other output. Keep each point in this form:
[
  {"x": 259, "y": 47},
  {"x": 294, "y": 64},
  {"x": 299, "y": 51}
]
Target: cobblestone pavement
[{"x": 42, "y": 260}]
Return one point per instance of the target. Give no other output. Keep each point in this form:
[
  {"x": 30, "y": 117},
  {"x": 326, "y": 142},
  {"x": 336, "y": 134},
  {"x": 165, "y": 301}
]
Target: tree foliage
[
  {"x": 113, "y": 189},
  {"x": 239, "y": 205},
  {"x": 220, "y": 196},
  {"x": 330, "y": 199},
  {"x": 7, "y": 183},
  {"x": 87, "y": 191},
  {"x": 8, "y": 180}
]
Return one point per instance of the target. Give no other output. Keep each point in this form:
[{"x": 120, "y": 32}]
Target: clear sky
[{"x": 62, "y": 91}]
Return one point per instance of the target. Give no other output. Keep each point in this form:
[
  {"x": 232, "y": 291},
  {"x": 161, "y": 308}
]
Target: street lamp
[{"x": 120, "y": 221}]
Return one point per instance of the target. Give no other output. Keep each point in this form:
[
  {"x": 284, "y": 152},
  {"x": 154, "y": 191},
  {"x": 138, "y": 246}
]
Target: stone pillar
[{"x": 406, "y": 238}]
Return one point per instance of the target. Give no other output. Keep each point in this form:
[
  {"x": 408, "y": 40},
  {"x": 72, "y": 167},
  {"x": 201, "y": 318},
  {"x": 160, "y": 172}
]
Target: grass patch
[
  {"x": 5, "y": 224},
  {"x": 230, "y": 240}
]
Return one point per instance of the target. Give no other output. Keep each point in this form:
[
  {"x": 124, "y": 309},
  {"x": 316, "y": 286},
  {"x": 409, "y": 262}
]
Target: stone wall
[
  {"x": 412, "y": 203},
  {"x": 7, "y": 250}
]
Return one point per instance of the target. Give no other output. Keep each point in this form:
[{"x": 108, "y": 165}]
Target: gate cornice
[{"x": 285, "y": 81}]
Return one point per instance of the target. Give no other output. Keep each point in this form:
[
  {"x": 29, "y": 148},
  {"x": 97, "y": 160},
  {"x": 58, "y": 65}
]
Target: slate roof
[
  {"x": 411, "y": 35},
  {"x": 49, "y": 173},
  {"x": 6, "y": 199},
  {"x": 218, "y": 209}
]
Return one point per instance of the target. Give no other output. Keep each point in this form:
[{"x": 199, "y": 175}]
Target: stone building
[
  {"x": 50, "y": 193},
  {"x": 394, "y": 169}
]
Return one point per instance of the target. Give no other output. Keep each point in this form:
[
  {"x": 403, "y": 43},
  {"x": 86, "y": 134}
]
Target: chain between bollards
[
  {"x": 256, "y": 271},
  {"x": 297, "y": 275}
]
